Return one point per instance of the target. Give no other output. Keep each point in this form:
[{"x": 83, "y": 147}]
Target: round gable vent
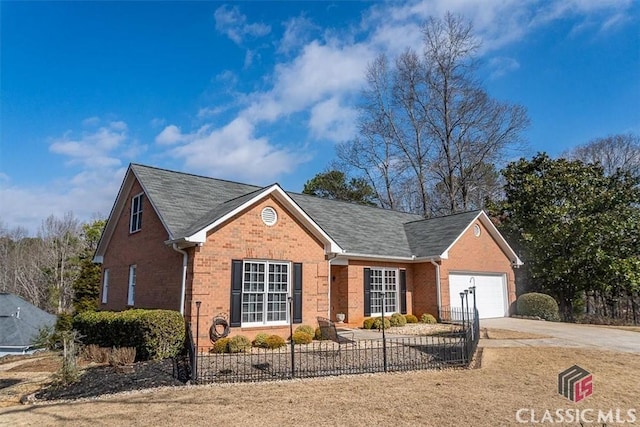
[
  {"x": 269, "y": 216},
  {"x": 476, "y": 230}
]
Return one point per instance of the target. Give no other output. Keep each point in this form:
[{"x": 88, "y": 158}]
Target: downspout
[
  {"x": 437, "y": 266},
  {"x": 184, "y": 276}
]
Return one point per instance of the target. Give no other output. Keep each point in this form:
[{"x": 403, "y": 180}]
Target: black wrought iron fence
[{"x": 326, "y": 358}]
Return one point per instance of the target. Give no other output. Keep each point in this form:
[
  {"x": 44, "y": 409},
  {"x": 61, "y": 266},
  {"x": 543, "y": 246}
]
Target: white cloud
[
  {"x": 91, "y": 121},
  {"x": 501, "y": 65},
  {"x": 87, "y": 194},
  {"x": 169, "y": 135},
  {"x": 234, "y": 25},
  {"x": 94, "y": 162},
  {"x": 332, "y": 121},
  {"x": 206, "y": 112},
  {"x": 319, "y": 72},
  {"x": 248, "y": 58},
  {"x": 297, "y": 32},
  {"x": 92, "y": 149},
  {"x": 234, "y": 151}
]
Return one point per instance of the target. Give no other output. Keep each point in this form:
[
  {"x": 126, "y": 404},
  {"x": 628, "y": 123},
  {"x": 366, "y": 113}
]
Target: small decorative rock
[{"x": 28, "y": 399}]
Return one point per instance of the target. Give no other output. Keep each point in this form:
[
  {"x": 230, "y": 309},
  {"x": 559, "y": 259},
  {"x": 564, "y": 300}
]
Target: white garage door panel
[{"x": 491, "y": 295}]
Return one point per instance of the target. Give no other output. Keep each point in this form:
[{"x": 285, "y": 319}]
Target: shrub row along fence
[{"x": 326, "y": 358}]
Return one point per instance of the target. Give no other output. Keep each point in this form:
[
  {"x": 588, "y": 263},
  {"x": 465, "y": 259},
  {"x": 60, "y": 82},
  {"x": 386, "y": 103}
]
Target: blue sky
[{"x": 261, "y": 92}]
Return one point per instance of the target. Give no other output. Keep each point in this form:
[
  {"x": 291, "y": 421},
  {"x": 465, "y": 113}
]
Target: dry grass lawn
[{"x": 509, "y": 379}]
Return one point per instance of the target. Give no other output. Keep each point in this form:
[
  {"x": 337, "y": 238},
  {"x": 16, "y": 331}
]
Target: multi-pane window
[
  {"x": 105, "y": 286},
  {"x": 265, "y": 289},
  {"x": 136, "y": 213},
  {"x": 384, "y": 284},
  {"x": 132, "y": 285}
]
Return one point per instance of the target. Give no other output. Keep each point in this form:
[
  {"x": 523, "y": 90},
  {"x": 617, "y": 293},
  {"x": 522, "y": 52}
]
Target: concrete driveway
[{"x": 566, "y": 334}]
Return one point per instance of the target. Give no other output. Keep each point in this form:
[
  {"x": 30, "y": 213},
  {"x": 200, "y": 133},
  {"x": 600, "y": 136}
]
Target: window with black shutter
[
  {"x": 260, "y": 292},
  {"x": 384, "y": 283}
]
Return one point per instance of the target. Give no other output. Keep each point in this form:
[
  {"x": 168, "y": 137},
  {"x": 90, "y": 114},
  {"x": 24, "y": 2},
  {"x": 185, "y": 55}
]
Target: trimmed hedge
[
  {"x": 377, "y": 324},
  {"x": 428, "y": 319},
  {"x": 397, "y": 319},
  {"x": 306, "y": 329},
  {"x": 538, "y": 305},
  {"x": 368, "y": 323},
  {"x": 260, "y": 339},
  {"x": 155, "y": 334},
  {"x": 301, "y": 337},
  {"x": 274, "y": 341},
  {"x": 239, "y": 344},
  {"x": 411, "y": 318}
]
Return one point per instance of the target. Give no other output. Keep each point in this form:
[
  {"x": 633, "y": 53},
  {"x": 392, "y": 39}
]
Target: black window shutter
[
  {"x": 367, "y": 292},
  {"x": 403, "y": 291},
  {"x": 297, "y": 292},
  {"x": 236, "y": 293}
]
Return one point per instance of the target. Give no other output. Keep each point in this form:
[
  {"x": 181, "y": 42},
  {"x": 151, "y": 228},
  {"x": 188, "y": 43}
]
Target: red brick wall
[
  {"x": 246, "y": 237},
  {"x": 355, "y": 289},
  {"x": 159, "y": 268},
  {"x": 425, "y": 293},
  {"x": 339, "y": 290},
  {"x": 480, "y": 255}
]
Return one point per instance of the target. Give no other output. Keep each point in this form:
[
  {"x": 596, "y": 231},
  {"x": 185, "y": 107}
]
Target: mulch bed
[{"x": 101, "y": 380}]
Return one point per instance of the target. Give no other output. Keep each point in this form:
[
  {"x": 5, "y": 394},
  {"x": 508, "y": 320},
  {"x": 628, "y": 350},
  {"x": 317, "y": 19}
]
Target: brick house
[{"x": 173, "y": 239}]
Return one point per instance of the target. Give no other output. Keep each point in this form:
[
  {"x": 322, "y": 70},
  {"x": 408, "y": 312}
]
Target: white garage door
[{"x": 491, "y": 293}]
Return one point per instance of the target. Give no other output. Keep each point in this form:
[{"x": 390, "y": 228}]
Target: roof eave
[
  {"x": 391, "y": 258},
  {"x": 330, "y": 245}
]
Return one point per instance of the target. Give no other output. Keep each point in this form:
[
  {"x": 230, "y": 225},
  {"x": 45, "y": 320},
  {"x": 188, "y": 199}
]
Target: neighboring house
[
  {"x": 173, "y": 239},
  {"x": 20, "y": 323}
]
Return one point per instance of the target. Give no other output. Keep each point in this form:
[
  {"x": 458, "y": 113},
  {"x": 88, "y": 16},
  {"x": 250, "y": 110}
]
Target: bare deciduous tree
[
  {"x": 61, "y": 242},
  {"x": 613, "y": 152},
  {"x": 430, "y": 128}
]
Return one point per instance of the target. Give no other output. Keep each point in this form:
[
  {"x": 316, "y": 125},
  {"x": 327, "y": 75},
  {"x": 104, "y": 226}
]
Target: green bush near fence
[
  {"x": 155, "y": 334},
  {"x": 538, "y": 305}
]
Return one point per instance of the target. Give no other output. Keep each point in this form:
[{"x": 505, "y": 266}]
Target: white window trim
[
  {"x": 397, "y": 302},
  {"x": 138, "y": 213},
  {"x": 131, "y": 294},
  {"x": 265, "y": 322},
  {"x": 105, "y": 286}
]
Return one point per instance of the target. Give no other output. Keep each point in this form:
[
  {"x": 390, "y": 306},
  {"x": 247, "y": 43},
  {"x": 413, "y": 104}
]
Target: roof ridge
[
  {"x": 445, "y": 216},
  {"x": 349, "y": 202}
]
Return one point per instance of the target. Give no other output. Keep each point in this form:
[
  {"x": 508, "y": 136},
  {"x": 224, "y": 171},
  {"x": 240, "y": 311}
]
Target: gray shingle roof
[
  {"x": 20, "y": 329},
  {"x": 188, "y": 203},
  {"x": 431, "y": 237},
  {"x": 182, "y": 199}
]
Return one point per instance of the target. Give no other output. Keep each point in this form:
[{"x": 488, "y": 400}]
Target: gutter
[
  {"x": 413, "y": 258},
  {"x": 438, "y": 295},
  {"x": 184, "y": 276}
]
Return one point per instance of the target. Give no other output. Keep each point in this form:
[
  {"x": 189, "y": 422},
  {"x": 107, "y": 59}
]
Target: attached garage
[{"x": 491, "y": 292}]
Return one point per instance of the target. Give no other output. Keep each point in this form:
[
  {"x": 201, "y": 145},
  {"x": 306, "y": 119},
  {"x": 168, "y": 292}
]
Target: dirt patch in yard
[
  {"x": 506, "y": 334},
  {"x": 44, "y": 364},
  {"x": 509, "y": 379}
]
